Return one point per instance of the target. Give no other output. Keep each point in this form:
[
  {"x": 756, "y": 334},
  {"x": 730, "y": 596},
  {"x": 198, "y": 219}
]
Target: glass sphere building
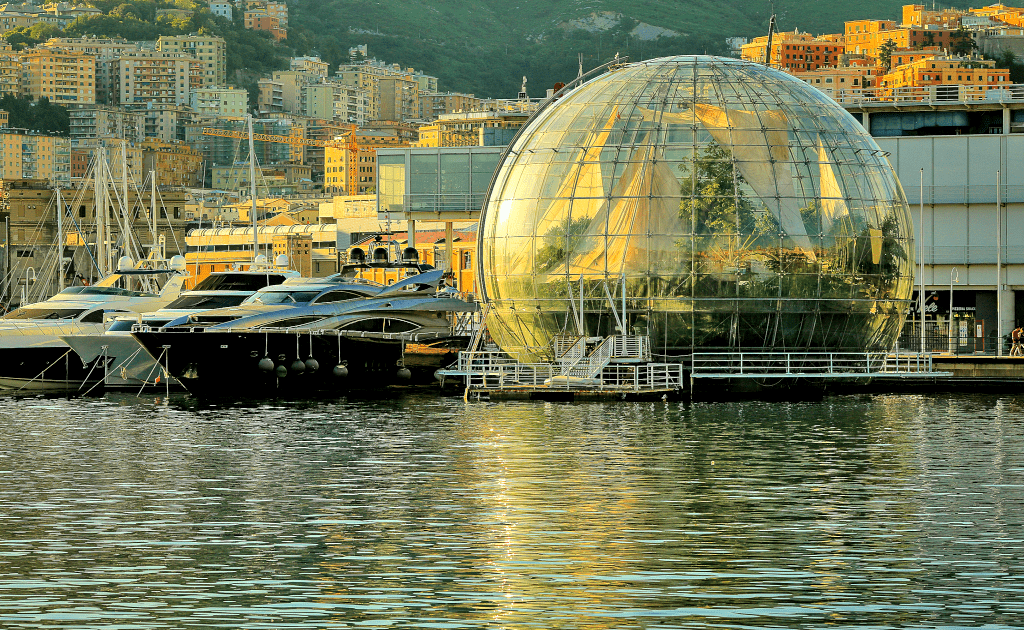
[{"x": 713, "y": 204}]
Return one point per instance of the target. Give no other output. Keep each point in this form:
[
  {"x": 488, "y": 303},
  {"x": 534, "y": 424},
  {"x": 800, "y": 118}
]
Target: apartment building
[
  {"x": 866, "y": 36},
  {"x": 838, "y": 81},
  {"x": 271, "y": 96},
  {"x": 167, "y": 122},
  {"x": 944, "y": 76},
  {"x": 35, "y": 156},
  {"x": 433, "y": 104},
  {"x": 312, "y": 65},
  {"x": 105, "y": 121},
  {"x": 220, "y": 101},
  {"x": 209, "y": 50},
  {"x": 64, "y": 77},
  {"x": 466, "y": 129},
  {"x": 10, "y": 69},
  {"x": 338, "y": 177},
  {"x": 223, "y": 9},
  {"x": 261, "y": 21},
  {"x": 163, "y": 78},
  {"x": 175, "y": 163},
  {"x": 795, "y": 51},
  {"x": 393, "y": 91}
]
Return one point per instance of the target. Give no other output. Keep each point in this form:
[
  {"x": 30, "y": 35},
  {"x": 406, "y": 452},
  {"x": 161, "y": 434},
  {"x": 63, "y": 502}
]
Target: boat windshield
[
  {"x": 281, "y": 297},
  {"x": 44, "y": 313},
  {"x": 206, "y": 301},
  {"x": 94, "y": 290},
  {"x": 238, "y": 282},
  {"x": 128, "y": 322}
]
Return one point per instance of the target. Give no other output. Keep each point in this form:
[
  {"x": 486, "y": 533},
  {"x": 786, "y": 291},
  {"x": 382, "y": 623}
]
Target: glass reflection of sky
[{"x": 736, "y": 206}]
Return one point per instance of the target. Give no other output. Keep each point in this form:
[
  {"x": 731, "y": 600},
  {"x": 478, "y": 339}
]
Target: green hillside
[{"x": 487, "y": 46}]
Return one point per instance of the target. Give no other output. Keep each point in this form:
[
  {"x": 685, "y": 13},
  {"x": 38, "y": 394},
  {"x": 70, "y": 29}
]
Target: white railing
[
  {"x": 509, "y": 375},
  {"x": 908, "y": 363},
  {"x": 757, "y": 364},
  {"x": 591, "y": 365},
  {"x": 632, "y": 347},
  {"x": 929, "y": 94},
  {"x": 562, "y": 344}
]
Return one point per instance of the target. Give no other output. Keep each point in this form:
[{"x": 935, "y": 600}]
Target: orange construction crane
[{"x": 349, "y": 142}]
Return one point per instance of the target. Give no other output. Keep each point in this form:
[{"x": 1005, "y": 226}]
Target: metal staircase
[{"x": 586, "y": 357}]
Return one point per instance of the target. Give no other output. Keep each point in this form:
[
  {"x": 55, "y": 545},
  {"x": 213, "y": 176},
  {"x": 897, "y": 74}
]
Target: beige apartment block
[
  {"x": 175, "y": 163},
  {"x": 312, "y": 65},
  {"x": 163, "y": 78},
  {"x": 64, "y": 77},
  {"x": 35, "y": 156},
  {"x": 10, "y": 69},
  {"x": 210, "y": 50},
  {"x": 220, "y": 101}
]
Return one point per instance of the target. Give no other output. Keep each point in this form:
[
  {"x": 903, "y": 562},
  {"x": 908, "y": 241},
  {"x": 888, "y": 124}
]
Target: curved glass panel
[{"x": 737, "y": 208}]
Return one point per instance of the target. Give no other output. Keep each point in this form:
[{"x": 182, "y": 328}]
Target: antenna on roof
[{"x": 771, "y": 32}]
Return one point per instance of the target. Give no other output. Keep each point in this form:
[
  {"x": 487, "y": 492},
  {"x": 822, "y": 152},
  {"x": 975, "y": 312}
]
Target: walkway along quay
[{"x": 620, "y": 367}]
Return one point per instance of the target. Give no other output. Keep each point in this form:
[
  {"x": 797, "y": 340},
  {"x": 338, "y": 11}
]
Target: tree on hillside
[
  {"x": 961, "y": 42},
  {"x": 40, "y": 115},
  {"x": 885, "y": 54},
  {"x": 25, "y": 37}
]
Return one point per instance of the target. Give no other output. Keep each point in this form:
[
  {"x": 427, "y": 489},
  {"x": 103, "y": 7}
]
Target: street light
[{"x": 953, "y": 335}]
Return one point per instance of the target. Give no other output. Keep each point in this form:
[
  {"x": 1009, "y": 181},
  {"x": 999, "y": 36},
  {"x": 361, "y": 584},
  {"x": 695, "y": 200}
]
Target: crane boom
[
  {"x": 349, "y": 142},
  {"x": 266, "y": 137}
]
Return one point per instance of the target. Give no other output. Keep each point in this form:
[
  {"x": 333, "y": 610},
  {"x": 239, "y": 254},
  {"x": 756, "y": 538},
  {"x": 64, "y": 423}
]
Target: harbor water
[{"x": 132, "y": 512}]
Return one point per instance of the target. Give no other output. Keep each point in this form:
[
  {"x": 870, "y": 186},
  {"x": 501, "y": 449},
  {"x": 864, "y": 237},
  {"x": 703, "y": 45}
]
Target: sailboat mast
[
  {"x": 252, "y": 191},
  {"x": 60, "y": 240},
  {"x": 101, "y": 213},
  {"x": 126, "y": 208},
  {"x": 152, "y": 212}
]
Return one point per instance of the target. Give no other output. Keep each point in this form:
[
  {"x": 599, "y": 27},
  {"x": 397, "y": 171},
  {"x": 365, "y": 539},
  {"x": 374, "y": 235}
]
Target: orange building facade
[
  {"x": 796, "y": 51},
  {"x": 867, "y": 36},
  {"x": 973, "y": 74}
]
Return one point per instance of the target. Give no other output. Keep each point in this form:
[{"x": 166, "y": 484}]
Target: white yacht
[{"x": 33, "y": 357}]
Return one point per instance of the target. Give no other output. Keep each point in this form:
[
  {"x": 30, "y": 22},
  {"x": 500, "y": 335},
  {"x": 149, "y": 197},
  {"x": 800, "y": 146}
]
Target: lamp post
[
  {"x": 921, "y": 294},
  {"x": 953, "y": 334}
]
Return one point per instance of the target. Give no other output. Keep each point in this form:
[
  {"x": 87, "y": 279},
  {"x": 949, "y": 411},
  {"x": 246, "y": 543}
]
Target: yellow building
[
  {"x": 844, "y": 80},
  {"x": 133, "y": 159},
  {"x": 175, "y": 163},
  {"x": 312, "y": 65},
  {"x": 35, "y": 156},
  {"x": 918, "y": 15},
  {"x": 943, "y": 77},
  {"x": 466, "y": 129},
  {"x": 866, "y": 36},
  {"x": 796, "y": 51},
  {"x": 393, "y": 91},
  {"x": 434, "y": 104},
  {"x": 273, "y": 179},
  {"x": 339, "y": 170},
  {"x": 64, "y": 77},
  {"x": 10, "y": 69},
  {"x": 209, "y": 50}
]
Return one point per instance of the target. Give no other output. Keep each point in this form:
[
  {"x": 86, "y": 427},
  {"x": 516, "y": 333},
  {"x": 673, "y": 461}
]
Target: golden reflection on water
[{"x": 884, "y": 510}]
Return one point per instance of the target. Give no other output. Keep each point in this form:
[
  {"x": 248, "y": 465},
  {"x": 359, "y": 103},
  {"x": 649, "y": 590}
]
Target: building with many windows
[
  {"x": 28, "y": 155},
  {"x": 105, "y": 121},
  {"x": 209, "y": 50},
  {"x": 146, "y": 78},
  {"x": 796, "y": 51},
  {"x": 943, "y": 77},
  {"x": 220, "y": 101},
  {"x": 64, "y": 77}
]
